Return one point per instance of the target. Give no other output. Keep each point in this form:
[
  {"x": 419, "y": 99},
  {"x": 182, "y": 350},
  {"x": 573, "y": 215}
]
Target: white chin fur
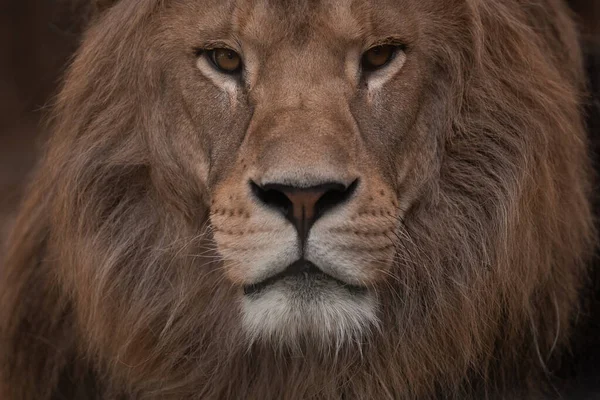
[{"x": 323, "y": 311}]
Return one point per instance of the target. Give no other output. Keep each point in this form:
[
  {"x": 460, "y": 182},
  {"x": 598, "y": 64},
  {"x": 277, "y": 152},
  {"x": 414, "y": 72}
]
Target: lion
[{"x": 333, "y": 199}]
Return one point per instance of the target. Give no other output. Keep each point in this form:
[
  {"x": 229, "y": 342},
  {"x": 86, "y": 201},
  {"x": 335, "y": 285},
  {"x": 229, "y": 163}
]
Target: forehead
[
  {"x": 298, "y": 22},
  {"x": 301, "y": 21}
]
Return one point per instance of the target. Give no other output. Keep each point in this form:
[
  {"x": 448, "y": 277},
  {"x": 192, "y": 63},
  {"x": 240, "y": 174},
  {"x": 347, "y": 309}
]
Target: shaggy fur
[{"x": 113, "y": 286}]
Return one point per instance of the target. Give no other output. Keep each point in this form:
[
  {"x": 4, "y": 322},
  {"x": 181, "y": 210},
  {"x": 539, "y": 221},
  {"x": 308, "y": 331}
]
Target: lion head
[{"x": 338, "y": 199}]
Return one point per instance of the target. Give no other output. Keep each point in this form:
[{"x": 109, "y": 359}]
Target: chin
[{"x": 305, "y": 305}]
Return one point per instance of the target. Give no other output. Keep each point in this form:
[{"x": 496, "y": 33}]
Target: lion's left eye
[
  {"x": 225, "y": 60},
  {"x": 378, "y": 57}
]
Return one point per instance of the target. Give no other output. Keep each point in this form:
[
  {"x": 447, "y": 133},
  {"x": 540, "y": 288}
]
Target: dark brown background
[{"x": 36, "y": 39}]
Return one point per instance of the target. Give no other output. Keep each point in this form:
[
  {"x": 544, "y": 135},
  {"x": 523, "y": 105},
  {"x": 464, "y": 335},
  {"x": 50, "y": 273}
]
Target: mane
[{"x": 112, "y": 286}]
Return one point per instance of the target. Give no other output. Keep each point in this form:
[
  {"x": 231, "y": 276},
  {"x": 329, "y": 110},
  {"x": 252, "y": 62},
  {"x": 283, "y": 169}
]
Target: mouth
[{"x": 300, "y": 270}]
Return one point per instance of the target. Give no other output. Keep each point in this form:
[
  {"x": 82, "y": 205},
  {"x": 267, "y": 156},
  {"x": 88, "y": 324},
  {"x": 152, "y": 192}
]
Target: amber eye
[
  {"x": 226, "y": 60},
  {"x": 378, "y": 56}
]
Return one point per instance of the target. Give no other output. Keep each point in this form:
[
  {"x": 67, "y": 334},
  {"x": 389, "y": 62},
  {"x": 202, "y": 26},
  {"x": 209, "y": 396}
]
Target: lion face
[
  {"x": 308, "y": 173},
  {"x": 403, "y": 182}
]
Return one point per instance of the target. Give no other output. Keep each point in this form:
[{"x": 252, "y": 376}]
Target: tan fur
[{"x": 473, "y": 204}]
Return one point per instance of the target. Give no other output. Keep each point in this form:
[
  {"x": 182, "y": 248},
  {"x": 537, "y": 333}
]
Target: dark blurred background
[{"x": 37, "y": 37}]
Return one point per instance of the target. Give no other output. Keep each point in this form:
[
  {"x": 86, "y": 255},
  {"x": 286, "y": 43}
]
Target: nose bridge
[
  {"x": 303, "y": 147},
  {"x": 300, "y": 76},
  {"x": 302, "y": 132},
  {"x": 319, "y": 131}
]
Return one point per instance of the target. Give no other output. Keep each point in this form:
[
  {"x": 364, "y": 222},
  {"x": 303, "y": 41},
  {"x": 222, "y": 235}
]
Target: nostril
[
  {"x": 302, "y": 206},
  {"x": 272, "y": 198},
  {"x": 335, "y": 195}
]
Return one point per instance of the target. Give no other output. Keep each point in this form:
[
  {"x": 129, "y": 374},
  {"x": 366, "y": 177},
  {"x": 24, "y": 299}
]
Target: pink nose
[{"x": 303, "y": 206}]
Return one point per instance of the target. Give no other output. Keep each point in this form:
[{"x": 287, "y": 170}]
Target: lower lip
[{"x": 300, "y": 278}]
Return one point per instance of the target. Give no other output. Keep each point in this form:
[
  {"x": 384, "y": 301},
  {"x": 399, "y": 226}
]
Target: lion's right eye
[
  {"x": 379, "y": 56},
  {"x": 225, "y": 60}
]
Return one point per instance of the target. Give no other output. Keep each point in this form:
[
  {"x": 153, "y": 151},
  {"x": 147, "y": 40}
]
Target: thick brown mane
[{"x": 112, "y": 285}]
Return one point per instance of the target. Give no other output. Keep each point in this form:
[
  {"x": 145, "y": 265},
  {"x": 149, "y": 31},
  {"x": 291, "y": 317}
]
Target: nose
[{"x": 302, "y": 206}]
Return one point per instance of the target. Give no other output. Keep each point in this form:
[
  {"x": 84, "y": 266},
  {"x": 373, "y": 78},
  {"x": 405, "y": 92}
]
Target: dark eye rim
[
  {"x": 396, "y": 49},
  {"x": 210, "y": 55}
]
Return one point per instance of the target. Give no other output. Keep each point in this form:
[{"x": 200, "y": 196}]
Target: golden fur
[{"x": 473, "y": 162}]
